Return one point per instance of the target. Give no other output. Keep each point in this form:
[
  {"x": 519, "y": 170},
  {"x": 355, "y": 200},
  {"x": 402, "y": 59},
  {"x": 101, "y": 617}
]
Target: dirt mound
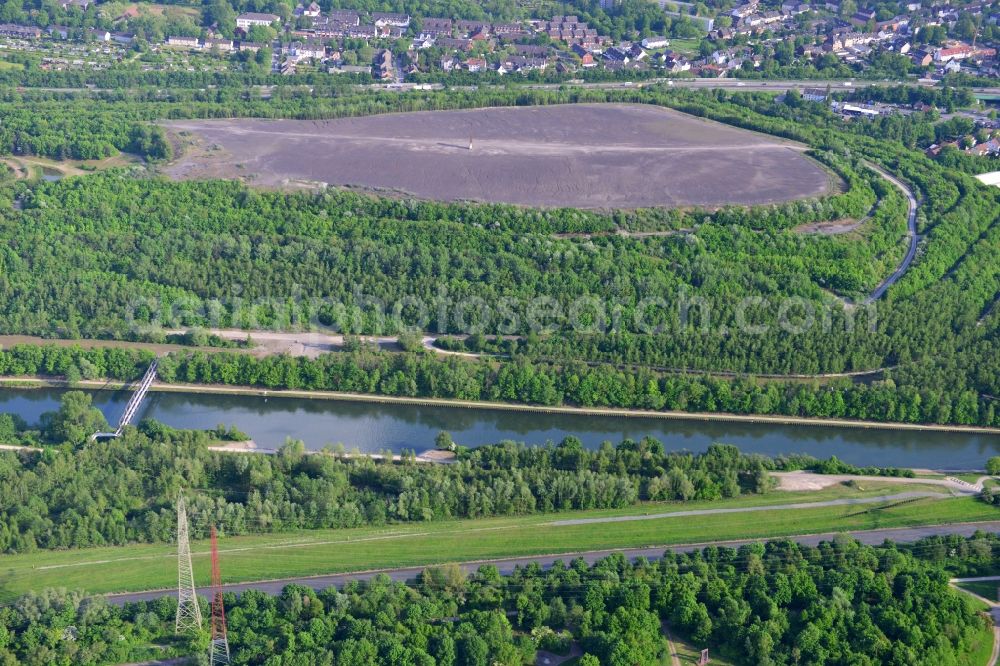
[{"x": 578, "y": 155}]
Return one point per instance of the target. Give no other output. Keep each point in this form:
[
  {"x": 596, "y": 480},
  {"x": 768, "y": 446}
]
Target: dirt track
[
  {"x": 579, "y": 155},
  {"x": 802, "y": 480}
]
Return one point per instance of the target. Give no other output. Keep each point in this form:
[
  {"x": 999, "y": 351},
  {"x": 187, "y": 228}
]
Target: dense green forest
[
  {"x": 668, "y": 303},
  {"x": 520, "y": 379},
  {"x": 546, "y": 383},
  {"x": 759, "y": 605}
]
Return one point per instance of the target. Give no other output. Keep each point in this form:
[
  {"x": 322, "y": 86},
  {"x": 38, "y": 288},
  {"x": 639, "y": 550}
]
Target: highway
[
  {"x": 835, "y": 85},
  {"x": 507, "y": 565}
]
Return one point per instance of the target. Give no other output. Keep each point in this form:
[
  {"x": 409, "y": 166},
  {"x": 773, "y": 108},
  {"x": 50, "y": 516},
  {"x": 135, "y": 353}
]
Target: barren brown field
[{"x": 580, "y": 155}]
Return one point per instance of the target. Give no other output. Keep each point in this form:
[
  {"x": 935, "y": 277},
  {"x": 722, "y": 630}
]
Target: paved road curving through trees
[{"x": 911, "y": 223}]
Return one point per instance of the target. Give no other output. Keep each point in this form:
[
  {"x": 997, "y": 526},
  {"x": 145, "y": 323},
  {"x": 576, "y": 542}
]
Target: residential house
[
  {"x": 312, "y": 11},
  {"x": 361, "y": 31},
  {"x": 846, "y": 40},
  {"x": 655, "y": 42},
  {"x": 346, "y": 16},
  {"x": 184, "y": 42},
  {"x": 386, "y": 69},
  {"x": 810, "y": 51},
  {"x": 921, "y": 58},
  {"x": 250, "y": 19},
  {"x": 475, "y": 64},
  {"x": 386, "y": 18},
  {"x": 675, "y": 63},
  {"x": 525, "y": 64},
  {"x": 862, "y": 17},
  {"x": 466, "y": 28},
  {"x": 743, "y": 11},
  {"x": 617, "y": 54},
  {"x": 20, "y": 31},
  {"x": 722, "y": 57},
  {"x": 895, "y": 24},
  {"x": 712, "y": 71},
  {"x": 219, "y": 44},
  {"x": 763, "y": 19},
  {"x": 507, "y": 29},
  {"x": 337, "y": 24},
  {"x": 952, "y": 67},
  {"x": 795, "y": 8},
  {"x": 453, "y": 43},
  {"x": 307, "y": 50},
  {"x": 961, "y": 52},
  {"x": 991, "y": 147},
  {"x": 436, "y": 26},
  {"x": 532, "y": 50}
]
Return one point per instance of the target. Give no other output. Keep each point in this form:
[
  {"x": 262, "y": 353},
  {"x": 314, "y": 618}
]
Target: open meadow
[{"x": 302, "y": 553}]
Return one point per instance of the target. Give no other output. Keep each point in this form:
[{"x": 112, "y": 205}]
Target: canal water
[{"x": 372, "y": 427}]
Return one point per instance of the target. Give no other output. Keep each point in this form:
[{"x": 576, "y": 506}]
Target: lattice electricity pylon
[
  {"x": 188, "y": 610},
  {"x": 218, "y": 651}
]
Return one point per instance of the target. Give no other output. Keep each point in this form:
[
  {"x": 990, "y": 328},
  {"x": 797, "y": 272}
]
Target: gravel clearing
[{"x": 577, "y": 155}]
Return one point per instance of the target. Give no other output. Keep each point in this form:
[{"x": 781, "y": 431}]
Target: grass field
[
  {"x": 986, "y": 589},
  {"x": 685, "y": 46},
  {"x": 982, "y": 649},
  {"x": 146, "y": 566},
  {"x": 157, "y": 9}
]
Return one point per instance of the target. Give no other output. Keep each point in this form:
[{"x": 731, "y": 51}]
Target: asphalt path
[
  {"x": 994, "y": 611},
  {"x": 507, "y": 565},
  {"x": 911, "y": 223}
]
